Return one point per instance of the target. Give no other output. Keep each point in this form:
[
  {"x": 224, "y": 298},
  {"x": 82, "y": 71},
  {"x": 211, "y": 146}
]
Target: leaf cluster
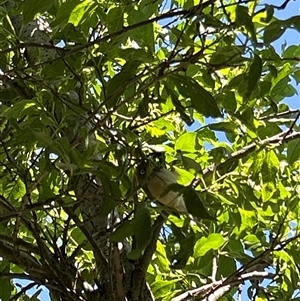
[{"x": 109, "y": 83}]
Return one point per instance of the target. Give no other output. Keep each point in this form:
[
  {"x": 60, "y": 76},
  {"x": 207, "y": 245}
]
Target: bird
[{"x": 155, "y": 180}]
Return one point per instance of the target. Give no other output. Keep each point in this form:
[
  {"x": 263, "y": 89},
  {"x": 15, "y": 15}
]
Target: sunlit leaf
[
  {"x": 80, "y": 11},
  {"x": 187, "y": 142},
  {"x": 213, "y": 242},
  {"x": 19, "y": 190}
]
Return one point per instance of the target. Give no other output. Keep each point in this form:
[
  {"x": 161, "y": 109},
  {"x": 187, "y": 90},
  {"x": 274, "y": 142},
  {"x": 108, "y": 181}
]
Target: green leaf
[
  {"x": 293, "y": 153},
  {"x": 179, "y": 107},
  {"x": 6, "y": 287},
  {"x": 208, "y": 79},
  {"x": 114, "y": 19},
  {"x": 184, "y": 39},
  {"x": 296, "y": 76},
  {"x": 227, "y": 100},
  {"x": 142, "y": 35},
  {"x": 264, "y": 88},
  {"x": 19, "y": 189},
  {"x": 270, "y": 166},
  {"x": 187, "y": 142},
  {"x": 282, "y": 73},
  {"x": 243, "y": 18},
  {"x": 236, "y": 249},
  {"x": 142, "y": 225},
  {"x": 213, "y": 242},
  {"x": 254, "y": 74},
  {"x": 55, "y": 70},
  {"x": 252, "y": 240},
  {"x": 226, "y": 266},
  {"x": 247, "y": 117},
  {"x": 223, "y": 127},
  {"x": 202, "y": 101},
  {"x": 119, "y": 82},
  {"x": 81, "y": 11},
  {"x": 248, "y": 218},
  {"x": 111, "y": 189},
  {"x": 126, "y": 229},
  {"x": 62, "y": 148},
  {"x": 19, "y": 109},
  {"x": 191, "y": 165},
  {"x": 278, "y": 89},
  {"x": 43, "y": 139},
  {"x": 227, "y": 55},
  {"x": 107, "y": 206},
  {"x": 194, "y": 204},
  {"x": 273, "y": 32},
  {"x": 134, "y": 254},
  {"x": 131, "y": 54},
  {"x": 32, "y": 7},
  {"x": 218, "y": 153},
  {"x": 211, "y": 21},
  {"x": 291, "y": 52},
  {"x": 162, "y": 258},
  {"x": 78, "y": 236},
  {"x": 270, "y": 13},
  {"x": 207, "y": 135},
  {"x": 63, "y": 13},
  {"x": 162, "y": 287},
  {"x": 185, "y": 251},
  {"x": 295, "y": 22}
]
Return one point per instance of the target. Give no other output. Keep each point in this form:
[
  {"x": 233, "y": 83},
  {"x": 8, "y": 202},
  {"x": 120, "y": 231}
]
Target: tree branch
[
  {"x": 222, "y": 289},
  {"x": 142, "y": 264},
  {"x": 245, "y": 151}
]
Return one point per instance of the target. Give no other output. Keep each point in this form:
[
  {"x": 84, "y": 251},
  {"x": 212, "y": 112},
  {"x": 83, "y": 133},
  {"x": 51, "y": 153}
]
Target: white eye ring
[{"x": 143, "y": 171}]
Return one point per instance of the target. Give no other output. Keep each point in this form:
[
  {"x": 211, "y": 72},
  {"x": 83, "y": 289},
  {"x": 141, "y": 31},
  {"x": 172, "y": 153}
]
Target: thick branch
[{"x": 222, "y": 288}]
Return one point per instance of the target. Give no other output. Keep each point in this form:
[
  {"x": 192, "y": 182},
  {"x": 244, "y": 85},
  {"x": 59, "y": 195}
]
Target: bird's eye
[{"x": 143, "y": 171}]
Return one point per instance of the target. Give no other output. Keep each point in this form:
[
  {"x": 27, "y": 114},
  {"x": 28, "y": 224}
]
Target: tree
[{"x": 88, "y": 89}]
